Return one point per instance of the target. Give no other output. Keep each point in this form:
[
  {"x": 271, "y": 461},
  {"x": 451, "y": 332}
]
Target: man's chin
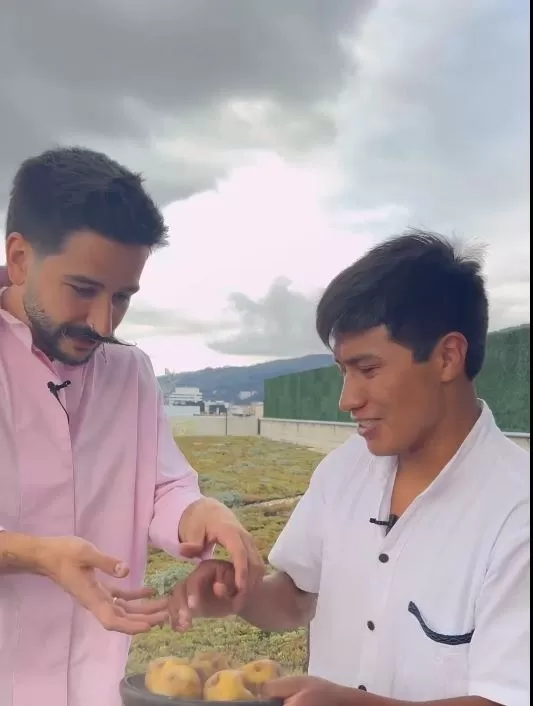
[
  {"x": 379, "y": 447},
  {"x": 76, "y": 355},
  {"x": 378, "y": 450}
]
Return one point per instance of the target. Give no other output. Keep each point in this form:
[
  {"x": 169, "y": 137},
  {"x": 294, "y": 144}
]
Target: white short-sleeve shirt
[{"x": 439, "y": 606}]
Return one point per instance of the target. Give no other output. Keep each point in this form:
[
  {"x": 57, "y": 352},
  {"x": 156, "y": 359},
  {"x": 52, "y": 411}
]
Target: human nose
[
  {"x": 354, "y": 394},
  {"x": 101, "y": 317}
]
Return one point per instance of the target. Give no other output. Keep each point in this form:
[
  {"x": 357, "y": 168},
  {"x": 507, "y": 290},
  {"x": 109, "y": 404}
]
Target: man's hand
[
  {"x": 72, "y": 563},
  {"x": 4, "y": 279},
  {"x": 207, "y": 522},
  {"x": 209, "y": 591},
  {"x": 310, "y": 691}
]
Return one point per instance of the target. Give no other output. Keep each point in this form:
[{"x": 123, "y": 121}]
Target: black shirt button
[
  {"x": 362, "y": 687},
  {"x": 383, "y": 558},
  {"x": 370, "y": 625}
]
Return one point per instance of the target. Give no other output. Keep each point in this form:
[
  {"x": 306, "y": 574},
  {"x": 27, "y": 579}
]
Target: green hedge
[
  {"x": 503, "y": 384},
  {"x": 504, "y": 380}
]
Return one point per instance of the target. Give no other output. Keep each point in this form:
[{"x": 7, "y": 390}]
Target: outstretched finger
[
  {"x": 129, "y": 625},
  {"x": 233, "y": 542},
  {"x": 128, "y": 613},
  {"x": 139, "y": 601},
  {"x": 153, "y": 614},
  {"x": 146, "y": 607},
  {"x": 179, "y": 610},
  {"x": 153, "y": 619},
  {"x": 133, "y": 594},
  {"x": 92, "y": 558}
]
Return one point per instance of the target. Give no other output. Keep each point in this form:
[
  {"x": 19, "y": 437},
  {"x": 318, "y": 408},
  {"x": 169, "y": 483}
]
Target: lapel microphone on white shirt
[
  {"x": 56, "y": 389},
  {"x": 388, "y": 524}
]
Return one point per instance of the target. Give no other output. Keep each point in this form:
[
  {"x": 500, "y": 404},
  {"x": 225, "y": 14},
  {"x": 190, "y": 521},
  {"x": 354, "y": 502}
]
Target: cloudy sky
[{"x": 283, "y": 139}]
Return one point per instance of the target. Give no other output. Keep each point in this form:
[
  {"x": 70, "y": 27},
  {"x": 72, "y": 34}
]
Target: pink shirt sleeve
[{"x": 176, "y": 488}]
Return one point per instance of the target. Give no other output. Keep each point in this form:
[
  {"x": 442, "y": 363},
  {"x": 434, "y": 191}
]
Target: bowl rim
[{"x": 128, "y": 684}]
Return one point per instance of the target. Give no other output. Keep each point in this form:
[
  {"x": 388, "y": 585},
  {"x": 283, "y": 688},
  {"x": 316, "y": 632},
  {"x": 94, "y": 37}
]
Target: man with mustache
[
  {"x": 409, "y": 554},
  {"x": 89, "y": 471}
]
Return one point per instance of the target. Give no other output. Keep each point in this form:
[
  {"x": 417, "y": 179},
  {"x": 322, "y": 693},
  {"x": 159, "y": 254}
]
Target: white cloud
[{"x": 265, "y": 220}]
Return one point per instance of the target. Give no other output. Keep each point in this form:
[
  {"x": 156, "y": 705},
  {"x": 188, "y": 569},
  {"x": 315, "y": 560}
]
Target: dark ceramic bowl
[{"x": 133, "y": 693}]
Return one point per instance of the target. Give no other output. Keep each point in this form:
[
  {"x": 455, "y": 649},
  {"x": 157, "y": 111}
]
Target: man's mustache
[{"x": 85, "y": 333}]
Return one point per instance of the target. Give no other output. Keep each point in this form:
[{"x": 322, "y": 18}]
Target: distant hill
[{"x": 226, "y": 383}]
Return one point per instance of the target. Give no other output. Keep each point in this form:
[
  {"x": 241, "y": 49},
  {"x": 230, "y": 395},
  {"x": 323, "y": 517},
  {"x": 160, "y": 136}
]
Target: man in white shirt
[{"x": 409, "y": 554}]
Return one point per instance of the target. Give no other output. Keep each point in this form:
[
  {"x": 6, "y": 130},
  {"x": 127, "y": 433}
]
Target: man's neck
[
  {"x": 427, "y": 461},
  {"x": 12, "y": 303},
  {"x": 418, "y": 470}
]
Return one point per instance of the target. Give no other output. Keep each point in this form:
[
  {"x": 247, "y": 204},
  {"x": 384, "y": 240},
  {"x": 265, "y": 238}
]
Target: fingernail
[
  {"x": 120, "y": 568},
  {"x": 192, "y": 602}
]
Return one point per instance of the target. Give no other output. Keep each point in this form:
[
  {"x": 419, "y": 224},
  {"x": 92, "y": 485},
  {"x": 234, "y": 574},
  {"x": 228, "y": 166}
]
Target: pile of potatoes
[{"x": 210, "y": 676}]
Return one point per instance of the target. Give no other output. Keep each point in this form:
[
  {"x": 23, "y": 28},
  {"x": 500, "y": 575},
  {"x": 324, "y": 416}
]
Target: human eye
[
  {"x": 83, "y": 292},
  {"x": 369, "y": 371},
  {"x": 122, "y": 298}
]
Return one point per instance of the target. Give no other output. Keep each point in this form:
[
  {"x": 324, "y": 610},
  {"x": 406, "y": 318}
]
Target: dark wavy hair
[
  {"x": 420, "y": 286},
  {"x": 68, "y": 189}
]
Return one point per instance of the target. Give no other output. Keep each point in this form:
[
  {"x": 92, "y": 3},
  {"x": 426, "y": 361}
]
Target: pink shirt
[{"x": 112, "y": 475}]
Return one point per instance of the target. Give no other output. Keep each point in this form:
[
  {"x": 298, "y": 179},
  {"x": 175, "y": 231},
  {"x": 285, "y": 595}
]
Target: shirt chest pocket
[{"x": 433, "y": 659}]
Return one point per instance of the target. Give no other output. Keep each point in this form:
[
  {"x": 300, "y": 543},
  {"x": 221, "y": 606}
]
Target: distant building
[
  {"x": 236, "y": 410},
  {"x": 217, "y": 408},
  {"x": 243, "y": 410},
  {"x": 246, "y": 394},
  {"x": 257, "y": 409},
  {"x": 182, "y": 410},
  {"x": 185, "y": 395}
]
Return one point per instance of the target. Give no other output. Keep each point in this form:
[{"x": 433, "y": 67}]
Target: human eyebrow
[
  {"x": 84, "y": 281},
  {"x": 359, "y": 360},
  {"x": 88, "y": 282},
  {"x": 133, "y": 289}
]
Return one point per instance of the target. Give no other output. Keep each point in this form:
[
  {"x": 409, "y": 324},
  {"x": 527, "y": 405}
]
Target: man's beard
[{"x": 47, "y": 336}]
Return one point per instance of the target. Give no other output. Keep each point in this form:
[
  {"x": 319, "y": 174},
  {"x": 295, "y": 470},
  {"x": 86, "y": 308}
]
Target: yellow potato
[
  {"x": 227, "y": 685},
  {"x": 260, "y": 672},
  {"x": 172, "y": 676},
  {"x": 209, "y": 663}
]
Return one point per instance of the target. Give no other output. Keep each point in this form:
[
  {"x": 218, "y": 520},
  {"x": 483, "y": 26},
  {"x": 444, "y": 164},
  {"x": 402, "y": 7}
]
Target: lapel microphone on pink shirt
[{"x": 56, "y": 389}]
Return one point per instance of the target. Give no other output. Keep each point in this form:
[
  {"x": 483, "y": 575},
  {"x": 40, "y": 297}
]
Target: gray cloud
[
  {"x": 438, "y": 119},
  {"x": 143, "y": 321},
  {"x": 508, "y": 308},
  {"x": 282, "y": 323},
  {"x": 137, "y": 77}
]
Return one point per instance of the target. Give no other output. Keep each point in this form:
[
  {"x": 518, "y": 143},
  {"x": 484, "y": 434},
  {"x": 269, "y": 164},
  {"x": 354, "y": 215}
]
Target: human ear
[
  {"x": 19, "y": 255},
  {"x": 452, "y": 351}
]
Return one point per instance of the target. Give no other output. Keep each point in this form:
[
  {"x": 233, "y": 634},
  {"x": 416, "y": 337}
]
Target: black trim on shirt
[{"x": 438, "y": 637}]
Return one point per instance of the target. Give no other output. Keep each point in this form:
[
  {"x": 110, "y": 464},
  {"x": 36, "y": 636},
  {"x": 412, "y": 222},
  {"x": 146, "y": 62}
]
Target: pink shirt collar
[{"x": 19, "y": 328}]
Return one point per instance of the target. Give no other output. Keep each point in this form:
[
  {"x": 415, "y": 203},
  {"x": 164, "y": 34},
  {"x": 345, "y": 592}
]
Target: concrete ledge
[
  {"x": 326, "y": 436},
  {"x": 214, "y": 426},
  {"x": 322, "y": 436}
]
